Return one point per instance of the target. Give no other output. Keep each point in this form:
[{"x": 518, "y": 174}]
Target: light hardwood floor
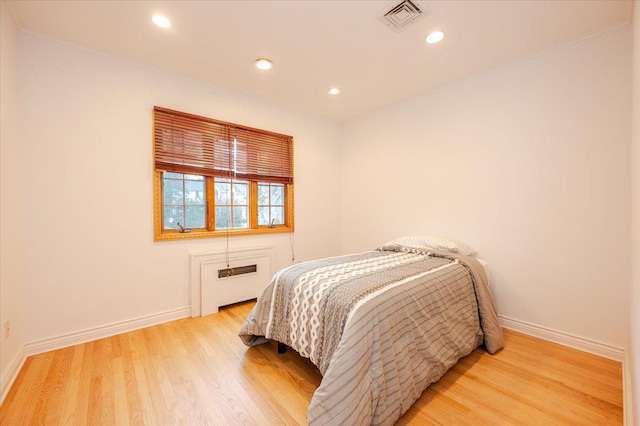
[{"x": 198, "y": 372}]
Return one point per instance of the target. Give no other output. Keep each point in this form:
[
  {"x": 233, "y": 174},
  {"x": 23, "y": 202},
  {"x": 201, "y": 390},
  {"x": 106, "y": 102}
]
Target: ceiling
[{"x": 315, "y": 45}]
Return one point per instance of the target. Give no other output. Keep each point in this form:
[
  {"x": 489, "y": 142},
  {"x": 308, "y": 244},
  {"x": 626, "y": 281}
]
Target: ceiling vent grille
[{"x": 401, "y": 15}]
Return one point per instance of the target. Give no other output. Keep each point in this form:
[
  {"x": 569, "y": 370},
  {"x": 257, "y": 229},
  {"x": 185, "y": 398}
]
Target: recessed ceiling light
[
  {"x": 161, "y": 21},
  {"x": 334, "y": 91},
  {"x": 264, "y": 64},
  {"x": 434, "y": 37}
]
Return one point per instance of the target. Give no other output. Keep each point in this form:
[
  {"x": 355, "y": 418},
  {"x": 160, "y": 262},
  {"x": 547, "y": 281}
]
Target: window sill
[{"x": 198, "y": 234}]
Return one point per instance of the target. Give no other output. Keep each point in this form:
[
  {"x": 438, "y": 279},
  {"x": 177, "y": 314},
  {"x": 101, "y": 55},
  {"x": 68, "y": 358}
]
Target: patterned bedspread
[{"x": 380, "y": 326}]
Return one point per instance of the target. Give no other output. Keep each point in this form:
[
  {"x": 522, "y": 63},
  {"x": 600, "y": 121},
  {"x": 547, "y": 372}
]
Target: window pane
[
  {"x": 194, "y": 192},
  {"x": 263, "y": 194},
  {"x": 240, "y": 217},
  {"x": 172, "y": 215},
  {"x": 170, "y": 175},
  {"x": 172, "y": 191},
  {"x": 223, "y": 193},
  {"x": 277, "y": 195},
  {"x": 194, "y": 217},
  {"x": 223, "y": 216},
  {"x": 263, "y": 216},
  {"x": 240, "y": 193},
  {"x": 184, "y": 199},
  {"x": 194, "y": 177},
  {"x": 277, "y": 213}
]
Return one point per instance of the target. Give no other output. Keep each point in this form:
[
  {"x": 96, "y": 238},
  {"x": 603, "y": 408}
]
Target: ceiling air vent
[{"x": 401, "y": 15}]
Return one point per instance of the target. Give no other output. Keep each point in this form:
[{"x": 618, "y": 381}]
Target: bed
[{"x": 381, "y": 326}]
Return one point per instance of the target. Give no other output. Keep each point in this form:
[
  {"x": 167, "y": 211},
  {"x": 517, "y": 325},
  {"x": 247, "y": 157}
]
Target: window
[
  {"x": 232, "y": 203},
  {"x": 270, "y": 204},
  {"x": 214, "y": 178},
  {"x": 183, "y": 201}
]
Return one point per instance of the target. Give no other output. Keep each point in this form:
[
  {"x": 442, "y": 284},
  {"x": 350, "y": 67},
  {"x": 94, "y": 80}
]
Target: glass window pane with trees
[
  {"x": 232, "y": 203},
  {"x": 183, "y": 201},
  {"x": 270, "y": 204},
  {"x": 214, "y": 178}
]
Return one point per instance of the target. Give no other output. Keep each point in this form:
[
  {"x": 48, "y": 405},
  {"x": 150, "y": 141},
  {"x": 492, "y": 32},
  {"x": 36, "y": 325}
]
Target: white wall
[
  {"x": 87, "y": 171},
  {"x": 529, "y": 164},
  {"x": 11, "y": 259},
  {"x": 635, "y": 218}
]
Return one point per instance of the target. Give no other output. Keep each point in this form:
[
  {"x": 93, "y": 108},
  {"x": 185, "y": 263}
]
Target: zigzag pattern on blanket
[{"x": 310, "y": 290}]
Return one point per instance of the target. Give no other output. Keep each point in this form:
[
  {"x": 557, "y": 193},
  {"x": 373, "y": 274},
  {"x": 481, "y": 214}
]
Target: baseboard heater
[
  {"x": 225, "y": 277},
  {"x": 238, "y": 270}
]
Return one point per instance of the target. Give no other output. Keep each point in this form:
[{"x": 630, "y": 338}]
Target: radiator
[{"x": 214, "y": 284}]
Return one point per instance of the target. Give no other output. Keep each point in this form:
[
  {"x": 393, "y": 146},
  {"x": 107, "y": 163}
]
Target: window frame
[
  {"x": 209, "y": 231},
  {"x": 161, "y": 234},
  {"x": 270, "y": 206},
  {"x": 184, "y": 204},
  {"x": 232, "y": 204}
]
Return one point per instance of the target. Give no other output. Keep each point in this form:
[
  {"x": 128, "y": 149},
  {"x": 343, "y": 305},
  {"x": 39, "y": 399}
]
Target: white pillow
[{"x": 438, "y": 243}]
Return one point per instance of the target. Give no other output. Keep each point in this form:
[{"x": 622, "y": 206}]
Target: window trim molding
[{"x": 174, "y": 235}]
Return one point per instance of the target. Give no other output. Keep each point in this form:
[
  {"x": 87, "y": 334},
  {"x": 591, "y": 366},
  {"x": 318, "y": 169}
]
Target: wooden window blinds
[{"x": 187, "y": 143}]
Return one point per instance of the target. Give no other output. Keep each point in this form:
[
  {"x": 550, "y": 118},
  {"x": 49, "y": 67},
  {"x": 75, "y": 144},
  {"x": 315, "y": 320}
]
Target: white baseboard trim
[
  {"x": 586, "y": 345},
  {"x": 83, "y": 336},
  {"x": 627, "y": 390},
  {"x": 12, "y": 373}
]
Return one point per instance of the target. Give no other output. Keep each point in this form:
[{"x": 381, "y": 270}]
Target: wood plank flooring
[{"x": 196, "y": 371}]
